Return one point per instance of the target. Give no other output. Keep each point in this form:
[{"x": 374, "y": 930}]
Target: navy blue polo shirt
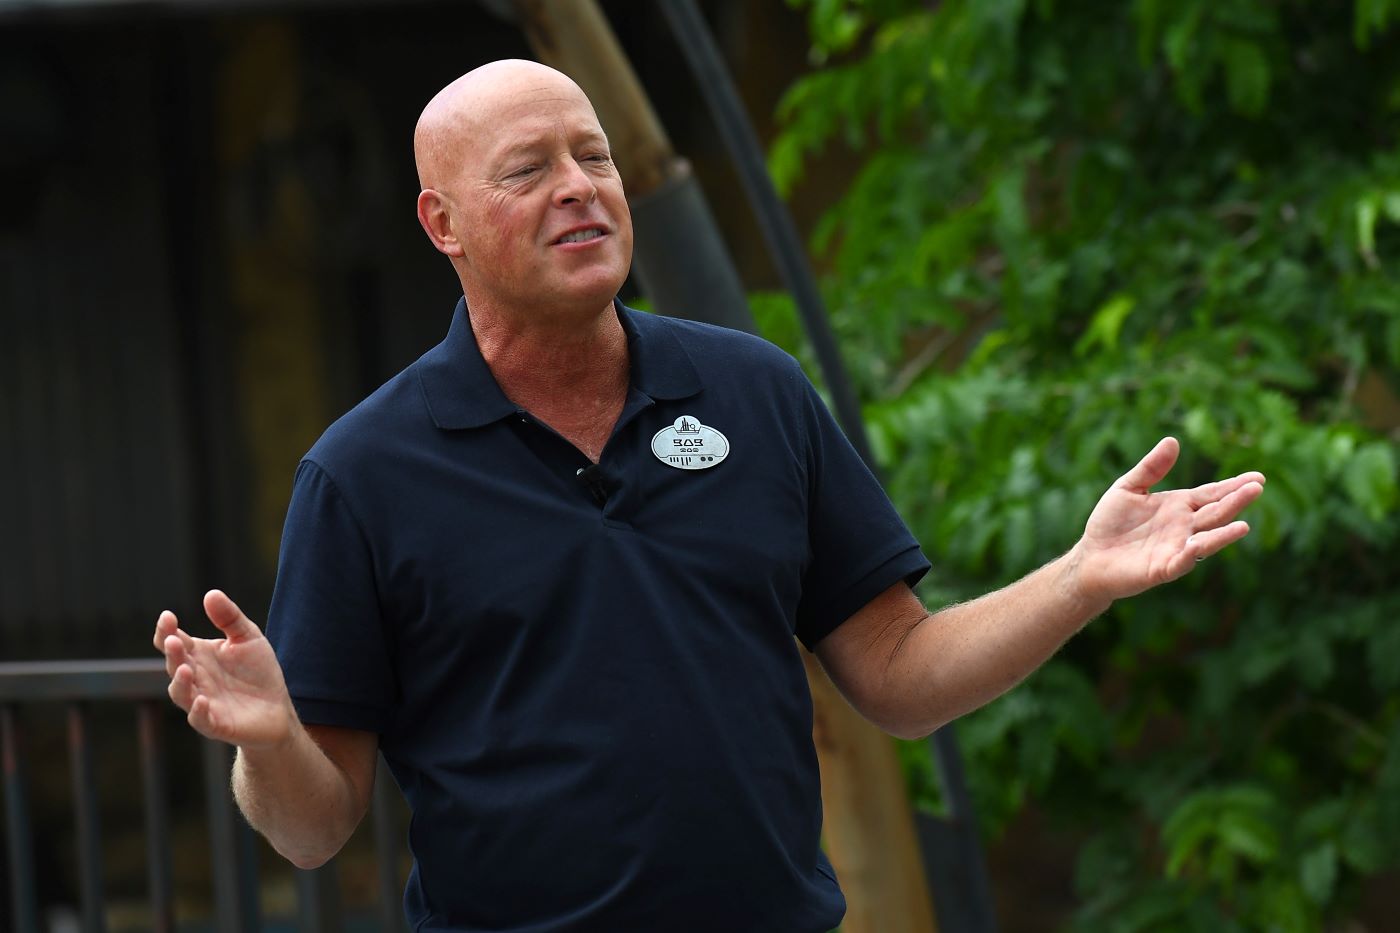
[{"x": 587, "y": 685}]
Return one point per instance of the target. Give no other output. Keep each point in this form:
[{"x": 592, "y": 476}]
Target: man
[{"x": 553, "y": 571}]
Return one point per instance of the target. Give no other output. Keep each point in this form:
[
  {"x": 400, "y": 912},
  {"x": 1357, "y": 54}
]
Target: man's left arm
[{"x": 910, "y": 671}]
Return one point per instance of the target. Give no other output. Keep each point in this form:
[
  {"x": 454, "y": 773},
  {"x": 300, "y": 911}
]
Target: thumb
[
  {"x": 1153, "y": 468},
  {"x": 228, "y": 618}
]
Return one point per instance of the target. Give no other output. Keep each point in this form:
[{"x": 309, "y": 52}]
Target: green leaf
[
  {"x": 1178, "y": 41},
  {"x": 1247, "y": 76},
  {"x": 1390, "y": 206},
  {"x": 1280, "y": 906},
  {"x": 1200, "y": 427},
  {"x": 1361, "y": 845},
  {"x": 1248, "y": 835},
  {"x": 1371, "y": 18},
  {"x": 1216, "y": 827},
  {"x": 1367, "y": 211},
  {"x": 1188, "y": 837},
  {"x": 1369, "y": 477},
  {"x": 1106, "y": 324},
  {"x": 1317, "y": 873}
]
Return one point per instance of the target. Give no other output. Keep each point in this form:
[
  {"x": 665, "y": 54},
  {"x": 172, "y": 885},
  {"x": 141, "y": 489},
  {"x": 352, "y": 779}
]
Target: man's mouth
[{"x": 578, "y": 236}]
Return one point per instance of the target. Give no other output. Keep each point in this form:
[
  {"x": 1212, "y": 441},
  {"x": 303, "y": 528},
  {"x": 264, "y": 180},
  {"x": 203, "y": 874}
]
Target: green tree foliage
[{"x": 1078, "y": 227}]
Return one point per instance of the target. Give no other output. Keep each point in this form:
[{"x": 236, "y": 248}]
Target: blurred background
[
  {"x": 1048, "y": 234},
  {"x": 249, "y": 267}
]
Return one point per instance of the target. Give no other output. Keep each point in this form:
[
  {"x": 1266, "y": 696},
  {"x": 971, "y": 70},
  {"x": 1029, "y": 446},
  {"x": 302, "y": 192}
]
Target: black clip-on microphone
[{"x": 592, "y": 477}]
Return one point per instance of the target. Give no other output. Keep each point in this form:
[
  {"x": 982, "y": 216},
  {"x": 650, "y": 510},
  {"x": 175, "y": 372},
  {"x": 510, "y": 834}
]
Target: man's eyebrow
[
  {"x": 531, "y": 147},
  {"x": 515, "y": 151}
]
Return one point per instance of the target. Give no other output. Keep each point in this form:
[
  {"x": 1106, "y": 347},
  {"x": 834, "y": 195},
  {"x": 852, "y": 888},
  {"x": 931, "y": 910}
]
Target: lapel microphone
[{"x": 592, "y": 477}]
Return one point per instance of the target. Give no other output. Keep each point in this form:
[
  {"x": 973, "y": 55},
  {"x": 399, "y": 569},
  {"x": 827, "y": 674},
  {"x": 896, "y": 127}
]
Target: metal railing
[{"x": 81, "y": 686}]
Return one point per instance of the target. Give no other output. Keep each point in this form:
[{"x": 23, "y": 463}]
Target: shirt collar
[{"x": 460, "y": 391}]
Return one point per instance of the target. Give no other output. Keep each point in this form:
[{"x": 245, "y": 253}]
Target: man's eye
[{"x": 524, "y": 171}]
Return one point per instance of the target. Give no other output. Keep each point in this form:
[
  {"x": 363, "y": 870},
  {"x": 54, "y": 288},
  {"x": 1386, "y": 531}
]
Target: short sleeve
[
  {"x": 859, "y": 545},
  {"x": 325, "y": 622}
]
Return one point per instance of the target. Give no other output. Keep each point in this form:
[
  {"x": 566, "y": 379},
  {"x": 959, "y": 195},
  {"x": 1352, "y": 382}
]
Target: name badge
[{"x": 689, "y": 445}]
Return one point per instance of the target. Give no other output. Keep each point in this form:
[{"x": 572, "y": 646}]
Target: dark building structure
[{"x": 208, "y": 251}]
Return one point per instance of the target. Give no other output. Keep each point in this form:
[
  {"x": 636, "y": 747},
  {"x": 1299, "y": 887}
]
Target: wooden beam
[
  {"x": 869, "y": 823},
  {"x": 575, "y": 37}
]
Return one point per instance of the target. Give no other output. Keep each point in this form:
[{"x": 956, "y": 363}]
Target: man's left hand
[{"x": 1136, "y": 539}]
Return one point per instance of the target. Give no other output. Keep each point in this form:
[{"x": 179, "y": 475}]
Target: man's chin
[{"x": 590, "y": 291}]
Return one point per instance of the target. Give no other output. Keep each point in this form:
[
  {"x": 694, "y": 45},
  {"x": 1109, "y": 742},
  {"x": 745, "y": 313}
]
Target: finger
[
  {"x": 166, "y": 624},
  {"x": 1153, "y": 468},
  {"x": 1218, "y": 513},
  {"x": 1203, "y": 544},
  {"x": 181, "y": 689},
  {"x": 201, "y": 717},
  {"x": 179, "y": 649},
  {"x": 1213, "y": 492},
  {"x": 175, "y": 655},
  {"x": 228, "y": 618}
]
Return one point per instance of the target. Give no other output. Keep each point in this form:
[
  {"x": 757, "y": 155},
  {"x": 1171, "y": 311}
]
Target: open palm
[
  {"x": 231, "y": 688},
  {"x": 1136, "y": 539}
]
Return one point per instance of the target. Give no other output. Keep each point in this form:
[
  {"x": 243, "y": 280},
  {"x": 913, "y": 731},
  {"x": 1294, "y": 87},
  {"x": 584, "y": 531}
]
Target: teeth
[{"x": 580, "y": 236}]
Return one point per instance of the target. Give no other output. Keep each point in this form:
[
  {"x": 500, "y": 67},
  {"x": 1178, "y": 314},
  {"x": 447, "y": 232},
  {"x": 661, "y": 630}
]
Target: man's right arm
[
  {"x": 303, "y": 787},
  {"x": 308, "y": 796}
]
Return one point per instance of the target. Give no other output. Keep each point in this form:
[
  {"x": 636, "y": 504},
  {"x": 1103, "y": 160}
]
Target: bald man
[{"x": 553, "y": 571}]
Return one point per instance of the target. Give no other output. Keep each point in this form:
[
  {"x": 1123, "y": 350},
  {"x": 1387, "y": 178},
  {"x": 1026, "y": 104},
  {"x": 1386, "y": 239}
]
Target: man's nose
[{"x": 574, "y": 184}]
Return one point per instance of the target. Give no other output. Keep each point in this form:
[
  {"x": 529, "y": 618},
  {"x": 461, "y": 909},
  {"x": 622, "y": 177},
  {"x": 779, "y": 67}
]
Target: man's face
[{"x": 538, "y": 205}]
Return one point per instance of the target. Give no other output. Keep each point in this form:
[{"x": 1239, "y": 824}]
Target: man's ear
[{"x": 437, "y": 222}]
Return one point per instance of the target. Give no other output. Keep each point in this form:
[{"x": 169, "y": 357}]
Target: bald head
[
  {"x": 469, "y": 108},
  {"x": 520, "y": 191}
]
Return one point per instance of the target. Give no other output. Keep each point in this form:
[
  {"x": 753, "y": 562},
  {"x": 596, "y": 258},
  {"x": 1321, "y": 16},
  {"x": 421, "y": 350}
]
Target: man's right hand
[
  {"x": 304, "y": 788},
  {"x": 231, "y": 688}
]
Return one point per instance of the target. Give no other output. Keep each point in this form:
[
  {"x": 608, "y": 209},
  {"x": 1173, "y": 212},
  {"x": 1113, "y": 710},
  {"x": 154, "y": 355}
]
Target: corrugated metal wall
[{"x": 95, "y": 457}]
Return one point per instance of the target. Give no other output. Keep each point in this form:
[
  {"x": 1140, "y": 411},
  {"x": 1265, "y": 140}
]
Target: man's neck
[{"x": 572, "y": 374}]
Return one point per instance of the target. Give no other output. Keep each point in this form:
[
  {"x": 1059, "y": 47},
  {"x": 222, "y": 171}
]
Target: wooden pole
[
  {"x": 574, "y": 37},
  {"x": 869, "y": 827},
  {"x": 680, "y": 260},
  {"x": 869, "y": 823}
]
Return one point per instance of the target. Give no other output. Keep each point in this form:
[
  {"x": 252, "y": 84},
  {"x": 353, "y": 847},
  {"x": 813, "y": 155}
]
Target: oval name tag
[{"x": 689, "y": 445}]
